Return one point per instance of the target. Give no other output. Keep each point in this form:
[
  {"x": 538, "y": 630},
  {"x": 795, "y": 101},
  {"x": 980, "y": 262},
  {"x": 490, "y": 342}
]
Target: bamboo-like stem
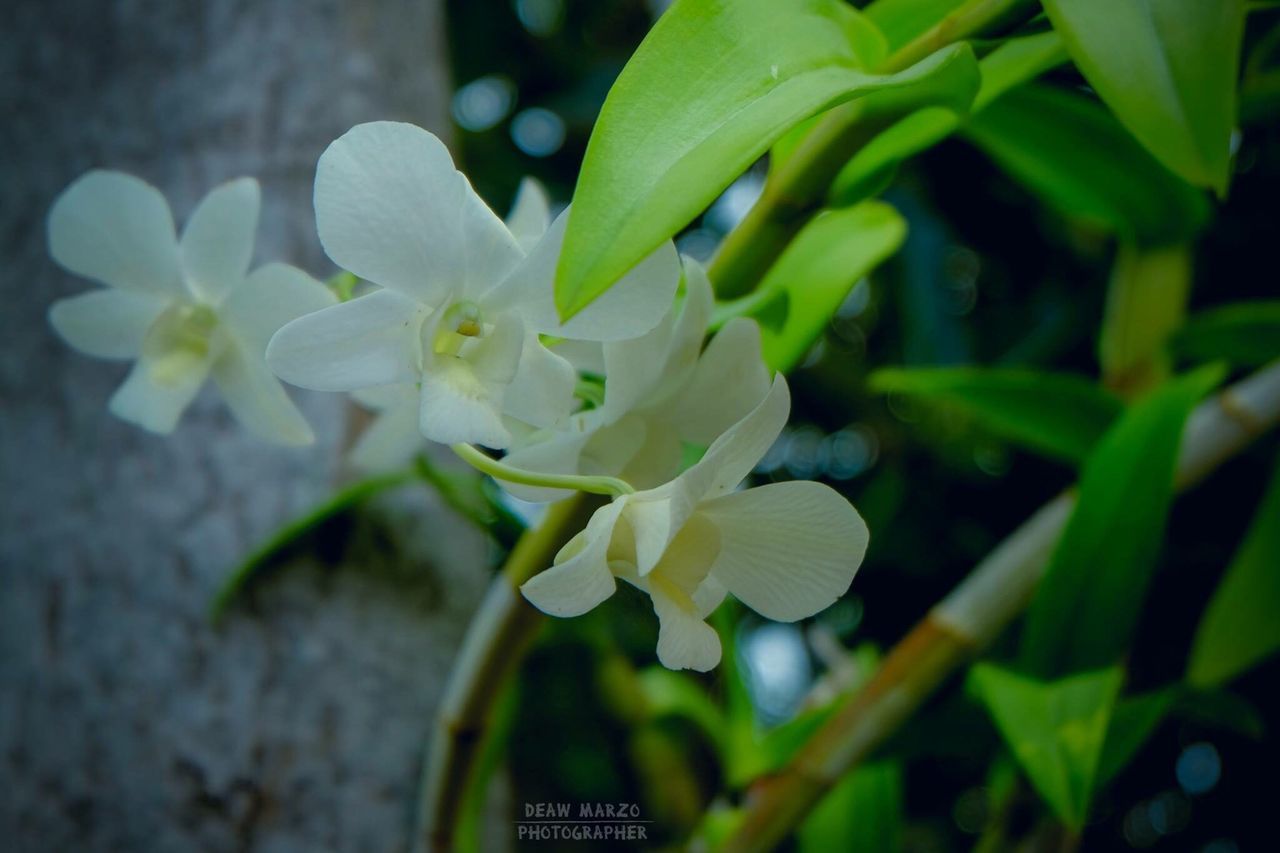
[
  {"x": 496, "y": 640},
  {"x": 969, "y": 618},
  {"x": 795, "y": 193}
]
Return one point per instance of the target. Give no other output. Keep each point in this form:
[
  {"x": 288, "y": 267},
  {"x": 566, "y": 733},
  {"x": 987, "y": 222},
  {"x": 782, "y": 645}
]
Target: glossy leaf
[
  {"x": 1247, "y": 334},
  {"x": 1055, "y": 413},
  {"x": 1056, "y": 730},
  {"x": 802, "y": 291},
  {"x": 712, "y": 86},
  {"x": 1067, "y": 149},
  {"x": 1011, "y": 64},
  {"x": 864, "y": 812},
  {"x": 1167, "y": 69},
  {"x": 1240, "y": 627},
  {"x": 1086, "y": 607}
]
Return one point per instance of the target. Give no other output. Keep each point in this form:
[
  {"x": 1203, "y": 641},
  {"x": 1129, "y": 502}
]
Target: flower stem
[
  {"x": 481, "y": 461},
  {"x": 968, "y": 619},
  {"x": 495, "y": 642}
]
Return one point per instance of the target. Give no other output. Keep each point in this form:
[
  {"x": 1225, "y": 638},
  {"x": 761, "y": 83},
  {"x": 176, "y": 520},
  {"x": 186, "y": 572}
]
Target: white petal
[
  {"x": 732, "y": 456},
  {"x": 633, "y": 306},
  {"x": 372, "y": 340},
  {"x": 257, "y": 398},
  {"x": 380, "y": 397},
  {"x": 684, "y": 640},
  {"x": 729, "y": 381},
  {"x": 580, "y": 578},
  {"x": 155, "y": 398},
  {"x": 106, "y": 323},
  {"x": 217, "y": 243},
  {"x": 708, "y": 596},
  {"x": 393, "y": 439},
  {"x": 541, "y": 393},
  {"x": 270, "y": 297},
  {"x": 612, "y": 445},
  {"x": 634, "y": 368},
  {"x": 787, "y": 550},
  {"x": 117, "y": 229},
  {"x": 391, "y": 208},
  {"x": 656, "y": 516},
  {"x": 530, "y": 214},
  {"x": 496, "y": 356},
  {"x": 585, "y": 356},
  {"x": 459, "y": 406},
  {"x": 656, "y": 460}
]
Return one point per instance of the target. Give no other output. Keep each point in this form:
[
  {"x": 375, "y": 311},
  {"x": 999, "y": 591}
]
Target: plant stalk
[
  {"x": 969, "y": 618},
  {"x": 495, "y": 642}
]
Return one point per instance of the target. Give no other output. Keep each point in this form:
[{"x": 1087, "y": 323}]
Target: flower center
[
  {"x": 462, "y": 321},
  {"x": 179, "y": 341}
]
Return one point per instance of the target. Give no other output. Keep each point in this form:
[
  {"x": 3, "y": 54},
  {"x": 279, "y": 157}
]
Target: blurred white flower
[
  {"x": 186, "y": 310},
  {"x": 661, "y": 390},
  {"x": 461, "y": 304},
  {"x": 786, "y": 550}
]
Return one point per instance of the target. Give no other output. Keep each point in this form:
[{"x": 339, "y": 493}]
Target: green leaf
[
  {"x": 1009, "y": 65},
  {"x": 675, "y": 694},
  {"x": 901, "y": 21},
  {"x": 1056, "y": 730},
  {"x": 279, "y": 546},
  {"x": 1167, "y": 69},
  {"x": 864, "y": 812},
  {"x": 1055, "y": 413},
  {"x": 1246, "y": 333},
  {"x": 1066, "y": 148},
  {"x": 711, "y": 87},
  {"x": 1240, "y": 627},
  {"x": 802, "y": 291},
  {"x": 1133, "y": 721},
  {"x": 1085, "y": 610}
]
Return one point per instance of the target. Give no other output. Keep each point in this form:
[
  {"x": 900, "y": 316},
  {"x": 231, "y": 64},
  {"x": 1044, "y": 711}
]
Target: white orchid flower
[
  {"x": 786, "y": 550},
  {"x": 662, "y": 390},
  {"x": 393, "y": 438},
  {"x": 461, "y": 304},
  {"x": 186, "y": 310}
]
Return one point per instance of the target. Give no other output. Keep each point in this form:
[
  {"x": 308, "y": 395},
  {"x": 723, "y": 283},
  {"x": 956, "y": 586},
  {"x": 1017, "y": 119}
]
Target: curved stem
[
  {"x": 969, "y": 618},
  {"x": 499, "y": 470},
  {"x": 495, "y": 642}
]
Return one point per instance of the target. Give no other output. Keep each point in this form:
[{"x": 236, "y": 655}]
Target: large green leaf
[
  {"x": 1246, "y": 333},
  {"x": 1067, "y": 149},
  {"x": 802, "y": 291},
  {"x": 1011, "y": 64},
  {"x": 864, "y": 812},
  {"x": 1241, "y": 626},
  {"x": 711, "y": 87},
  {"x": 1167, "y": 69},
  {"x": 1056, "y": 730},
  {"x": 1055, "y": 413},
  {"x": 1085, "y": 610}
]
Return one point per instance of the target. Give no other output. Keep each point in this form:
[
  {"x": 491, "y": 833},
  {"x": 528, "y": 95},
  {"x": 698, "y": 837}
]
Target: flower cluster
[{"x": 458, "y": 341}]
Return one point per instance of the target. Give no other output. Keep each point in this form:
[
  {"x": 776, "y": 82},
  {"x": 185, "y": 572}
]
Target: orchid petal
[
  {"x": 106, "y": 323},
  {"x": 272, "y": 295},
  {"x": 684, "y": 640},
  {"x": 729, "y": 381},
  {"x": 257, "y": 398},
  {"x": 155, "y": 395},
  {"x": 118, "y": 230},
  {"x": 530, "y": 214},
  {"x": 542, "y": 392},
  {"x": 735, "y": 453},
  {"x": 391, "y": 208},
  {"x": 393, "y": 439},
  {"x": 217, "y": 243},
  {"x": 372, "y": 340},
  {"x": 787, "y": 550},
  {"x": 580, "y": 578}
]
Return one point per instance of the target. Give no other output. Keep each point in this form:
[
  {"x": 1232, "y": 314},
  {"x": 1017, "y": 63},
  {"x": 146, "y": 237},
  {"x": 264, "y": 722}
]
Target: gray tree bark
[{"x": 127, "y": 721}]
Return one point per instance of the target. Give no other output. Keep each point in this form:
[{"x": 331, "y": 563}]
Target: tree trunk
[{"x": 127, "y": 721}]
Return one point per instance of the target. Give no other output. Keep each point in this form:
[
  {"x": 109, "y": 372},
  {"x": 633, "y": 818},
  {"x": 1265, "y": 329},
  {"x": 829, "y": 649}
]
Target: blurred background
[{"x": 129, "y": 721}]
